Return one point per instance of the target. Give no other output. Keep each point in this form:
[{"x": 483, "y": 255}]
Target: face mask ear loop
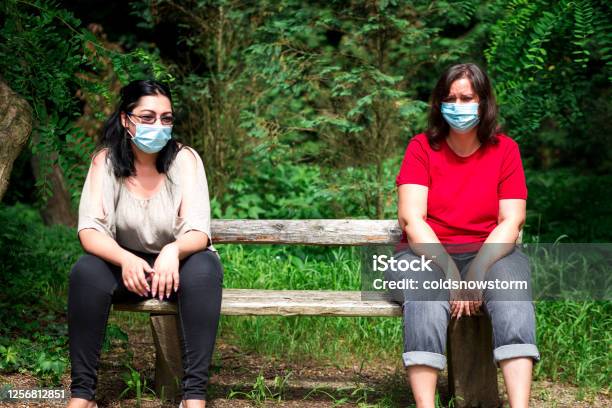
[{"x": 126, "y": 128}]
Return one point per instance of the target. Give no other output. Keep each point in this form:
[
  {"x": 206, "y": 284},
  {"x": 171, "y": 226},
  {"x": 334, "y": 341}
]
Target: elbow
[
  {"x": 411, "y": 225},
  {"x": 204, "y": 241},
  {"x": 84, "y": 240},
  {"x": 87, "y": 237},
  {"x": 515, "y": 222},
  {"x": 409, "y": 217}
]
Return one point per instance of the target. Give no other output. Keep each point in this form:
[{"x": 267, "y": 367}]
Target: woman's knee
[
  {"x": 511, "y": 276},
  {"x": 91, "y": 270},
  {"x": 406, "y": 280},
  {"x": 513, "y": 322},
  {"x": 513, "y": 266},
  {"x": 203, "y": 267},
  {"x": 425, "y": 326},
  {"x": 428, "y": 311}
]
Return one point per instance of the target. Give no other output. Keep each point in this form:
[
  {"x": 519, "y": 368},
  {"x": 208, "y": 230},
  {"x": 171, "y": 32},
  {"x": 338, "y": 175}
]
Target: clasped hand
[
  {"x": 464, "y": 301},
  {"x": 159, "y": 280}
]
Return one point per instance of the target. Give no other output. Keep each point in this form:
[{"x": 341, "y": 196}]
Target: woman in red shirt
[{"x": 461, "y": 186}]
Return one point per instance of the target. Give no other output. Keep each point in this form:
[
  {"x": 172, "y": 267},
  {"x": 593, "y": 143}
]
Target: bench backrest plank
[{"x": 306, "y": 232}]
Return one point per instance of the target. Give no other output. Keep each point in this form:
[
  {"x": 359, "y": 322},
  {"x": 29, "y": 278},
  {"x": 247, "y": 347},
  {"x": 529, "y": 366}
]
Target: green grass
[
  {"x": 573, "y": 337},
  {"x": 319, "y": 338}
]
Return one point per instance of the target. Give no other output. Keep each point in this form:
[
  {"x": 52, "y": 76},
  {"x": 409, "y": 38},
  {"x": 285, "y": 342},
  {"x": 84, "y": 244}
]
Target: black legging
[{"x": 95, "y": 284}]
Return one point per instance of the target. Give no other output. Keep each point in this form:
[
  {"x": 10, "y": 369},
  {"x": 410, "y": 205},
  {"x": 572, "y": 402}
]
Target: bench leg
[
  {"x": 472, "y": 373},
  {"x": 168, "y": 356}
]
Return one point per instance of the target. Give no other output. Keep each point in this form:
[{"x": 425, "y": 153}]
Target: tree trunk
[
  {"x": 15, "y": 127},
  {"x": 58, "y": 208}
]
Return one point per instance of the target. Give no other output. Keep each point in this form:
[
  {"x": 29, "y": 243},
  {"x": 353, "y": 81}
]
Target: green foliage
[
  {"x": 33, "y": 271},
  {"x": 135, "y": 383},
  {"x": 336, "y": 85},
  {"x": 261, "y": 392},
  {"x": 331, "y": 77},
  {"x": 48, "y": 58},
  {"x": 577, "y": 336},
  {"x": 566, "y": 202},
  {"x": 551, "y": 62},
  {"x": 573, "y": 337}
]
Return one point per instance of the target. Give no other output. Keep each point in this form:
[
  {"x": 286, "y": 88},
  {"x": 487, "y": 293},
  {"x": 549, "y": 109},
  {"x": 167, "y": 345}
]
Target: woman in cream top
[
  {"x": 148, "y": 224},
  {"x": 144, "y": 223}
]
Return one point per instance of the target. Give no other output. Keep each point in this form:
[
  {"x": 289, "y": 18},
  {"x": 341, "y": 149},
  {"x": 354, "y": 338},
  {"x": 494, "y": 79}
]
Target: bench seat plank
[{"x": 254, "y": 302}]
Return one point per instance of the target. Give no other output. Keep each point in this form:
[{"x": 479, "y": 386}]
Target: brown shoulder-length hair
[{"x": 487, "y": 127}]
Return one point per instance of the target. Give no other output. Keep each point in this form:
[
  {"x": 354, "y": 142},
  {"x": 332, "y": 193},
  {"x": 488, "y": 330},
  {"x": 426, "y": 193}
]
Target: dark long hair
[
  {"x": 487, "y": 127},
  {"x": 114, "y": 136}
]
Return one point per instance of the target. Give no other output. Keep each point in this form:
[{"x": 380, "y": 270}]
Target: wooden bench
[{"x": 472, "y": 374}]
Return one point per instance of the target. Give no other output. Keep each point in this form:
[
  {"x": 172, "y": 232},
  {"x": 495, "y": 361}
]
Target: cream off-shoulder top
[{"x": 147, "y": 224}]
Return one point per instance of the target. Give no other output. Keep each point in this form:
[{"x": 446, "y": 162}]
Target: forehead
[
  {"x": 461, "y": 86},
  {"x": 155, "y": 103}
]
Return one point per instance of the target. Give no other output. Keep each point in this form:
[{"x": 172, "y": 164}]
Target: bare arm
[
  {"x": 412, "y": 213},
  {"x": 502, "y": 239},
  {"x": 193, "y": 240},
  {"x": 94, "y": 238},
  {"x": 188, "y": 243},
  {"x": 103, "y": 246}
]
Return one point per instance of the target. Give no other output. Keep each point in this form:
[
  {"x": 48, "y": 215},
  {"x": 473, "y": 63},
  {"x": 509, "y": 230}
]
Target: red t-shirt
[{"x": 464, "y": 192}]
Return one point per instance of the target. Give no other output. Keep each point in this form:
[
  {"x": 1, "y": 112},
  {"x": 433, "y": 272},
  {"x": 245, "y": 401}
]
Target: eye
[
  {"x": 167, "y": 120},
  {"x": 147, "y": 119}
]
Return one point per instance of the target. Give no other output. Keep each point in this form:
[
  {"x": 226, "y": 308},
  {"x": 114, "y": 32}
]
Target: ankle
[
  {"x": 193, "y": 403},
  {"x": 81, "y": 403}
]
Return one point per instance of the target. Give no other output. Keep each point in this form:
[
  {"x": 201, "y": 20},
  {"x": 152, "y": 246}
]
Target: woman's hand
[
  {"x": 166, "y": 275},
  {"x": 466, "y": 302},
  {"x": 133, "y": 270}
]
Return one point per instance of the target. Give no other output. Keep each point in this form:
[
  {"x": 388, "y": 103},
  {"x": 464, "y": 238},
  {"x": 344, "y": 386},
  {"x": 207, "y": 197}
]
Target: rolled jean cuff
[
  {"x": 515, "y": 351},
  {"x": 427, "y": 358}
]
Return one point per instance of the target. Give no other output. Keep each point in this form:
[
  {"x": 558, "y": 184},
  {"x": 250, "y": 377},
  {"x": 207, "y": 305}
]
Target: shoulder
[
  {"x": 506, "y": 151},
  {"x": 419, "y": 144},
  {"x": 99, "y": 158},
  {"x": 188, "y": 159},
  {"x": 188, "y": 155},
  {"x": 420, "y": 138},
  {"x": 100, "y": 163},
  {"x": 505, "y": 142}
]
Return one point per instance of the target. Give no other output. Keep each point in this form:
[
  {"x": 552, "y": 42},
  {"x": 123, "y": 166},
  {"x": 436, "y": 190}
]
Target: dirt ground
[{"x": 234, "y": 374}]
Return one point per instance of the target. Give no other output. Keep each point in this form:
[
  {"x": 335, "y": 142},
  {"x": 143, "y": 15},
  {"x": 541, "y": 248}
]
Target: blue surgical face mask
[
  {"x": 462, "y": 117},
  {"x": 151, "y": 138}
]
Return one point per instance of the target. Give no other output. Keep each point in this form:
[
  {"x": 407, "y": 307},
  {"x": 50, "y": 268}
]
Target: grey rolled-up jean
[{"x": 426, "y": 317}]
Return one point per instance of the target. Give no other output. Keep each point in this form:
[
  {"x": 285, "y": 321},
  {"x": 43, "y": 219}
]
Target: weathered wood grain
[
  {"x": 472, "y": 374},
  {"x": 241, "y": 302},
  {"x": 168, "y": 356},
  {"x": 308, "y": 232}
]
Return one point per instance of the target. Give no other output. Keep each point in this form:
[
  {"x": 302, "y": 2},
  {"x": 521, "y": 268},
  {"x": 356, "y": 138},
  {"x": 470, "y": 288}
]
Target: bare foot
[{"x": 81, "y": 403}]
